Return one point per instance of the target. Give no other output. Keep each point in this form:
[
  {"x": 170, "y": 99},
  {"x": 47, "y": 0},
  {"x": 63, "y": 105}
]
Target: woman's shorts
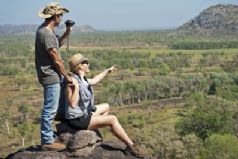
[{"x": 81, "y": 123}]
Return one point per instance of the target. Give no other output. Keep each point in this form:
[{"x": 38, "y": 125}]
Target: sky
[{"x": 111, "y": 14}]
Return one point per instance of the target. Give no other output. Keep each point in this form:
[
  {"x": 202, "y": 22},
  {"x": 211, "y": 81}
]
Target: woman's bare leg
[
  {"x": 99, "y": 121},
  {"x": 102, "y": 109}
]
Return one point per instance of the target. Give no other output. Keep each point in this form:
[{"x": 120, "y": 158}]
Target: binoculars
[{"x": 69, "y": 22}]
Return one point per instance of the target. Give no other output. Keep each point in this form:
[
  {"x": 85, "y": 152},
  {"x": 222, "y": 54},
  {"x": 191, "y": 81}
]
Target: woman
[{"x": 81, "y": 112}]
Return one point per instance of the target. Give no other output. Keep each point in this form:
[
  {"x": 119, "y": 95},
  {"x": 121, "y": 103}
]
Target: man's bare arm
[
  {"x": 65, "y": 35},
  {"x": 58, "y": 63}
]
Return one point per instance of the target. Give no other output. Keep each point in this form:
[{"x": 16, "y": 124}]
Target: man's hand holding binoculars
[{"x": 69, "y": 24}]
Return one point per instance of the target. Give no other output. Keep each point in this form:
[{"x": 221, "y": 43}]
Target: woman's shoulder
[
  {"x": 72, "y": 75},
  {"x": 75, "y": 78}
]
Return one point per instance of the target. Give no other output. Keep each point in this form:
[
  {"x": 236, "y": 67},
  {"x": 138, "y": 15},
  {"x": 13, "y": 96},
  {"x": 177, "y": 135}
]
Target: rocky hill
[{"x": 219, "y": 19}]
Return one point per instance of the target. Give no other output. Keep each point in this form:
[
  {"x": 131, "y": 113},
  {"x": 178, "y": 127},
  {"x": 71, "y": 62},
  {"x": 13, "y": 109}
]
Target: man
[{"x": 50, "y": 69}]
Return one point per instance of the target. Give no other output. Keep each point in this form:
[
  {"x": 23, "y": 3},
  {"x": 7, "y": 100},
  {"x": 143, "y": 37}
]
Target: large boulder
[
  {"x": 78, "y": 143},
  {"x": 82, "y": 143}
]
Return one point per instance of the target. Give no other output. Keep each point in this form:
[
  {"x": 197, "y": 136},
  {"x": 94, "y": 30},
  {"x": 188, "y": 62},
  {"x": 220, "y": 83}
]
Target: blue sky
[{"x": 111, "y": 14}]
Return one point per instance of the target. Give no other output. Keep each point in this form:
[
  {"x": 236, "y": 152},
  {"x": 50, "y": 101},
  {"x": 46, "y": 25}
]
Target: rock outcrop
[
  {"x": 103, "y": 151},
  {"x": 84, "y": 144},
  {"x": 220, "y": 19}
]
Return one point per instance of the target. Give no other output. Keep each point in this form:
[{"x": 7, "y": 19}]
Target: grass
[{"x": 144, "y": 118}]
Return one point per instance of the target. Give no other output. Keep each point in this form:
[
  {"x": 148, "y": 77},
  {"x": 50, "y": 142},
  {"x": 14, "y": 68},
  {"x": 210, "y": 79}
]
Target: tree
[
  {"x": 23, "y": 109},
  {"x": 195, "y": 99},
  {"x": 4, "y": 117},
  {"x": 211, "y": 117},
  {"x": 220, "y": 147},
  {"x": 23, "y": 128}
]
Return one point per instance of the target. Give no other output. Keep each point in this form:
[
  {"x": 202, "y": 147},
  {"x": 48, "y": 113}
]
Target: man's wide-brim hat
[
  {"x": 51, "y": 9},
  {"x": 75, "y": 60}
]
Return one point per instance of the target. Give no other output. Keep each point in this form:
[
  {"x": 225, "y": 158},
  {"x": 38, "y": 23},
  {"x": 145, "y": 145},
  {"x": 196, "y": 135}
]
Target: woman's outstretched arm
[{"x": 101, "y": 75}]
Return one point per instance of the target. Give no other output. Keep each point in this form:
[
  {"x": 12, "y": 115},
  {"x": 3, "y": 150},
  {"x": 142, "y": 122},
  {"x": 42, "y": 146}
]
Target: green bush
[
  {"x": 212, "y": 116},
  {"x": 220, "y": 147}
]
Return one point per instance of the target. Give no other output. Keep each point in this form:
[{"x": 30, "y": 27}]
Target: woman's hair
[{"x": 76, "y": 68}]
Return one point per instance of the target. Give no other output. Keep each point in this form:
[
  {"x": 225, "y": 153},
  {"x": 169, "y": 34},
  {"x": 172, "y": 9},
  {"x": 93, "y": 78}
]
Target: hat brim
[
  {"x": 62, "y": 11},
  {"x": 77, "y": 63},
  {"x": 59, "y": 11}
]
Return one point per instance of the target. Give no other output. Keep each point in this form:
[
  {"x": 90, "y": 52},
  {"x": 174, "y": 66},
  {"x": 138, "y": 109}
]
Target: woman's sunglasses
[{"x": 84, "y": 62}]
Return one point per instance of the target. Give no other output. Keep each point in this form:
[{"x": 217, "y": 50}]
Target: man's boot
[{"x": 53, "y": 147}]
